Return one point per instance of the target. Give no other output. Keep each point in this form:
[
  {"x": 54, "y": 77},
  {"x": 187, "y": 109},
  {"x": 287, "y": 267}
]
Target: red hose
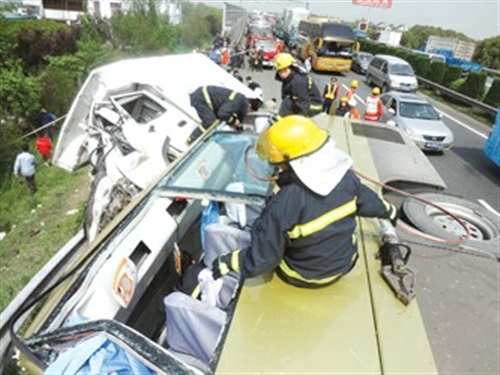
[{"x": 411, "y": 230}]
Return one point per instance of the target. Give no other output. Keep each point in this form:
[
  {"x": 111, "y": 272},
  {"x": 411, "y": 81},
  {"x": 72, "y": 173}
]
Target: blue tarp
[{"x": 97, "y": 355}]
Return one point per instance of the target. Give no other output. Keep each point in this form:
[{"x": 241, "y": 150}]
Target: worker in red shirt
[
  {"x": 350, "y": 93},
  {"x": 44, "y": 147},
  {"x": 373, "y": 110}
]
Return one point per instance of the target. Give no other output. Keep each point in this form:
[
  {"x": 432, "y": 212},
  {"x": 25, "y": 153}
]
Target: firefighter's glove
[{"x": 226, "y": 263}]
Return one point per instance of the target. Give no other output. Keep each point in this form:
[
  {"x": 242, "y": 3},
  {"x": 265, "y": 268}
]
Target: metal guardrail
[
  {"x": 37, "y": 284},
  {"x": 460, "y": 97},
  {"x": 491, "y": 72}
]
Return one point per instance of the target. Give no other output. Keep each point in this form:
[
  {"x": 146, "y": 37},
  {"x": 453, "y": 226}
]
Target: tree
[
  {"x": 416, "y": 37},
  {"x": 493, "y": 96},
  {"x": 487, "y": 53},
  {"x": 474, "y": 85}
]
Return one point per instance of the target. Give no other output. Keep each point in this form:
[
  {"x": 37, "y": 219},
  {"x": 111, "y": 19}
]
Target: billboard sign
[{"x": 386, "y": 4}]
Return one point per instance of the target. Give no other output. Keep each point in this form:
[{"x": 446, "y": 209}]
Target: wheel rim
[{"x": 480, "y": 228}]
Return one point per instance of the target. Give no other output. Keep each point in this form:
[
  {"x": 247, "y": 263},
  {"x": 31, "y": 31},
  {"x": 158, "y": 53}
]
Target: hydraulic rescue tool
[{"x": 394, "y": 269}]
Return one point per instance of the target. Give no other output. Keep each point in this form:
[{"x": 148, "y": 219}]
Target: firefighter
[
  {"x": 352, "y": 90},
  {"x": 214, "y": 104},
  {"x": 330, "y": 94},
  {"x": 374, "y": 106},
  {"x": 299, "y": 93},
  {"x": 343, "y": 107},
  {"x": 306, "y": 232}
]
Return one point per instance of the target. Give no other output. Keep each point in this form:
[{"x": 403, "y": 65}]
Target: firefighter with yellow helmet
[
  {"x": 306, "y": 231},
  {"x": 299, "y": 93}
]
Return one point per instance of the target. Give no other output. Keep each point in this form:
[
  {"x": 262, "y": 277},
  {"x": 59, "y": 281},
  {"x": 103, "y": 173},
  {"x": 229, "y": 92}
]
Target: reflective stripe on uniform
[
  {"x": 330, "y": 91},
  {"x": 197, "y": 291},
  {"x": 327, "y": 280},
  {"x": 207, "y": 98},
  {"x": 317, "y": 107},
  {"x": 233, "y": 94},
  {"x": 235, "y": 260},
  {"x": 303, "y": 230}
]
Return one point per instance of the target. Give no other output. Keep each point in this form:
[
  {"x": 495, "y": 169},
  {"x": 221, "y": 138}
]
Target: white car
[{"x": 417, "y": 117}]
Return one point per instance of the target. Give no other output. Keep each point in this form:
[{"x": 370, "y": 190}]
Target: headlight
[{"x": 413, "y": 133}]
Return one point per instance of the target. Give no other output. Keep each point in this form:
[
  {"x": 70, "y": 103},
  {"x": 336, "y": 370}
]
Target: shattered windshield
[
  {"x": 418, "y": 111},
  {"x": 220, "y": 161}
]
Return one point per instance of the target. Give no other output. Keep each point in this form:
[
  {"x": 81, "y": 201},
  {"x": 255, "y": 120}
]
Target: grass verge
[
  {"x": 460, "y": 107},
  {"x": 38, "y": 225}
]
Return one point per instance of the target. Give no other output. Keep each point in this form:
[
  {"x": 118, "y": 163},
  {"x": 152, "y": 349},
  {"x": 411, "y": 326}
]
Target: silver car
[{"x": 417, "y": 117}]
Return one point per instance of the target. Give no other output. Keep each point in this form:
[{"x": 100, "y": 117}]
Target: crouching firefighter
[
  {"x": 299, "y": 93},
  {"x": 306, "y": 232},
  {"x": 215, "y": 104}
]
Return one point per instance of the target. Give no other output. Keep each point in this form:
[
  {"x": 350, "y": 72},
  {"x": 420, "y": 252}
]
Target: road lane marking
[
  {"x": 464, "y": 125},
  {"x": 488, "y": 207},
  {"x": 355, "y": 95}
]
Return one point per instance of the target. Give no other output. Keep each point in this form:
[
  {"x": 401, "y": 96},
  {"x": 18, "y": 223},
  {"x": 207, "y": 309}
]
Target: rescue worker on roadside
[
  {"x": 306, "y": 232},
  {"x": 299, "y": 93},
  {"x": 219, "y": 104},
  {"x": 374, "y": 106},
  {"x": 352, "y": 90},
  {"x": 343, "y": 107},
  {"x": 330, "y": 94},
  {"x": 353, "y": 111}
]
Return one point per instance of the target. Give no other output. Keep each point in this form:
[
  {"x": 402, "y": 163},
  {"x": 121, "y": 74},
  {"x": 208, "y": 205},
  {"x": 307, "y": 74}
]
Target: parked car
[
  {"x": 360, "y": 62},
  {"x": 270, "y": 51},
  {"x": 417, "y": 117},
  {"x": 391, "y": 73}
]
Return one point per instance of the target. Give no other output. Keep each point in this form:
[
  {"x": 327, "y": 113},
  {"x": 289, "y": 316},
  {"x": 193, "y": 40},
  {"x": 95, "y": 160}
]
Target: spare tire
[{"x": 484, "y": 226}]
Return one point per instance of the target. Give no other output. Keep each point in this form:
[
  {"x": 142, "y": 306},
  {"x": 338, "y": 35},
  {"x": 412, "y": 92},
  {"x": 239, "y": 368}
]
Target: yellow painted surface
[
  {"x": 281, "y": 329},
  {"x": 403, "y": 341},
  {"x": 341, "y": 329}
]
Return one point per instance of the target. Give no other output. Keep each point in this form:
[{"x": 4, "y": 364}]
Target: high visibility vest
[
  {"x": 331, "y": 91},
  {"x": 372, "y": 108}
]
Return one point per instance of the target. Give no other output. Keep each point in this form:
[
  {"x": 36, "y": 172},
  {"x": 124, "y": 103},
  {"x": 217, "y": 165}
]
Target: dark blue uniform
[
  {"x": 214, "y": 103},
  {"x": 308, "y": 238},
  {"x": 300, "y": 96}
]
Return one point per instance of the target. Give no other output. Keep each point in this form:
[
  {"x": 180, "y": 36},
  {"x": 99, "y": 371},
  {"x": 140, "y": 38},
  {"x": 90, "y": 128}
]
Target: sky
[{"x": 478, "y": 19}]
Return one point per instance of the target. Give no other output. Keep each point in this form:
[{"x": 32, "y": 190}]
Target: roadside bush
[
  {"x": 493, "y": 96},
  {"x": 422, "y": 66},
  {"x": 474, "y": 85},
  {"x": 436, "y": 71},
  {"x": 10, "y": 132},
  {"x": 457, "y": 85},
  {"x": 451, "y": 74}
]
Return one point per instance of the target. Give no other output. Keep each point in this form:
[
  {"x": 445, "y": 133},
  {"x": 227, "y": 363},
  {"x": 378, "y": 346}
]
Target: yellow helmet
[
  {"x": 376, "y": 91},
  {"x": 284, "y": 60},
  {"x": 354, "y": 83},
  {"x": 344, "y": 99},
  {"x": 290, "y": 138}
]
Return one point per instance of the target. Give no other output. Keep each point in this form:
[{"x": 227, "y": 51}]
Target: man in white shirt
[{"x": 25, "y": 166}]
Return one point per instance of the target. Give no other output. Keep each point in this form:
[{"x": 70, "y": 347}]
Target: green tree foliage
[
  {"x": 451, "y": 74},
  {"x": 493, "y": 96},
  {"x": 474, "y": 85},
  {"x": 10, "y": 133},
  {"x": 142, "y": 30},
  {"x": 417, "y": 36},
  {"x": 422, "y": 65},
  {"x": 19, "y": 93},
  {"x": 457, "y": 85},
  {"x": 436, "y": 71},
  {"x": 487, "y": 53},
  {"x": 200, "y": 24}
]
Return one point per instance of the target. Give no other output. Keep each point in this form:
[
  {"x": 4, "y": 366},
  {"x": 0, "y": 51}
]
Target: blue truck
[
  {"x": 451, "y": 60},
  {"x": 492, "y": 146}
]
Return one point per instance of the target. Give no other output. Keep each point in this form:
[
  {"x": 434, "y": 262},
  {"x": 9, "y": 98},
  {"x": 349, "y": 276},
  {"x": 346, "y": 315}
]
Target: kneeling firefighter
[
  {"x": 306, "y": 232},
  {"x": 299, "y": 93},
  {"x": 216, "y": 104}
]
